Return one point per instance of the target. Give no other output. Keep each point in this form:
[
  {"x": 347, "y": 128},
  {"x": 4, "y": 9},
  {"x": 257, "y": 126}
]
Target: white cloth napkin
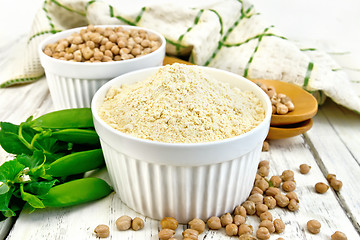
[{"x": 225, "y": 34}]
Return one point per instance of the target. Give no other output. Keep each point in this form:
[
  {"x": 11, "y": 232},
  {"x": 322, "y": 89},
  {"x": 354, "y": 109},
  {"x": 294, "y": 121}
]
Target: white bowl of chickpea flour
[
  {"x": 77, "y": 67},
  {"x": 178, "y": 152}
]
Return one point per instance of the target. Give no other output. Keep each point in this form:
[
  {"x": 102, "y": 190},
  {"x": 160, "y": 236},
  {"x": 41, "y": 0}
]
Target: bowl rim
[
  {"x": 106, "y": 87},
  {"x": 67, "y": 32}
]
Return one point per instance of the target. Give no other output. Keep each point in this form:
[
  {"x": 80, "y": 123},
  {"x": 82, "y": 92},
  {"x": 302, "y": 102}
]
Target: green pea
[
  {"x": 76, "y": 192},
  {"x": 79, "y": 136},
  {"x": 68, "y": 118},
  {"x": 75, "y": 163}
]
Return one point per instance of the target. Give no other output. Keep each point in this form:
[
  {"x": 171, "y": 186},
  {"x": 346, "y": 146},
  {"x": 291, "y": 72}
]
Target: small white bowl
[
  {"x": 73, "y": 84},
  {"x": 185, "y": 181}
]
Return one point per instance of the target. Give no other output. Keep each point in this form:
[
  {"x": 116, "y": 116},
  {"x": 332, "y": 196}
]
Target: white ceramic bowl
[
  {"x": 184, "y": 181},
  {"x": 73, "y": 84}
]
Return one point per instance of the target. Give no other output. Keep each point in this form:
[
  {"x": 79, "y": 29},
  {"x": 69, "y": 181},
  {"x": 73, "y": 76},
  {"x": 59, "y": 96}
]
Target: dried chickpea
[
  {"x": 313, "y": 226},
  {"x": 264, "y": 163},
  {"x": 262, "y": 184},
  {"x": 256, "y": 198},
  {"x": 250, "y": 207},
  {"x": 240, "y": 210},
  {"x": 214, "y": 223},
  {"x": 279, "y": 225},
  {"x": 247, "y": 236},
  {"x": 245, "y": 228},
  {"x": 287, "y": 175},
  {"x": 270, "y": 202},
  {"x": 336, "y": 184},
  {"x": 262, "y": 233},
  {"x": 265, "y": 146},
  {"x": 197, "y": 224},
  {"x": 321, "y": 187},
  {"x": 330, "y": 176},
  {"x": 276, "y": 181},
  {"x": 256, "y": 190},
  {"x": 281, "y": 200},
  {"x": 238, "y": 220},
  {"x": 272, "y": 191},
  {"x": 281, "y": 109},
  {"x": 293, "y": 205},
  {"x": 304, "y": 168},
  {"x": 289, "y": 186},
  {"x": 123, "y": 223},
  {"x": 190, "y": 233},
  {"x": 266, "y": 216},
  {"x": 226, "y": 219},
  {"x": 257, "y": 177},
  {"x": 166, "y": 234},
  {"x": 338, "y": 236},
  {"x": 292, "y": 195},
  {"x": 261, "y": 208},
  {"x": 137, "y": 224},
  {"x": 102, "y": 231},
  {"x": 169, "y": 223},
  {"x": 268, "y": 224},
  {"x": 263, "y": 171},
  {"x": 231, "y": 229},
  {"x": 280, "y": 238}
]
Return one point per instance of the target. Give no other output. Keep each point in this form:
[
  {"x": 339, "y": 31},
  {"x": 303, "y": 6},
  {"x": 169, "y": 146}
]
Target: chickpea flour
[{"x": 181, "y": 104}]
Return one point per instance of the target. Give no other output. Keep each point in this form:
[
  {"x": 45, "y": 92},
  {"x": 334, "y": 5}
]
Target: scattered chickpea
[
  {"x": 245, "y": 228},
  {"x": 321, "y": 187},
  {"x": 281, "y": 200},
  {"x": 272, "y": 191},
  {"x": 287, "y": 175},
  {"x": 197, "y": 224},
  {"x": 263, "y": 171},
  {"x": 247, "y": 236},
  {"x": 293, "y": 205},
  {"x": 137, "y": 224},
  {"x": 304, "y": 168},
  {"x": 240, "y": 210},
  {"x": 270, "y": 202},
  {"x": 169, "y": 223},
  {"x": 264, "y": 163},
  {"x": 102, "y": 231},
  {"x": 289, "y": 186},
  {"x": 292, "y": 195},
  {"x": 123, "y": 223},
  {"x": 276, "y": 181},
  {"x": 256, "y": 190},
  {"x": 336, "y": 184},
  {"x": 226, "y": 219},
  {"x": 268, "y": 224},
  {"x": 214, "y": 223},
  {"x": 280, "y": 238},
  {"x": 279, "y": 225},
  {"x": 313, "y": 226},
  {"x": 166, "y": 234},
  {"x": 262, "y": 184},
  {"x": 257, "y": 198},
  {"x": 266, "y": 216},
  {"x": 191, "y": 234},
  {"x": 330, "y": 176},
  {"x": 261, "y": 208},
  {"x": 338, "y": 236},
  {"x": 262, "y": 233},
  {"x": 231, "y": 229},
  {"x": 250, "y": 207},
  {"x": 238, "y": 220},
  {"x": 265, "y": 146}
]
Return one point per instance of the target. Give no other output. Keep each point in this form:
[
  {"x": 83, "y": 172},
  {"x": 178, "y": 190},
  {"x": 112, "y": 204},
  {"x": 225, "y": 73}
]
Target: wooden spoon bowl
[{"x": 305, "y": 104}]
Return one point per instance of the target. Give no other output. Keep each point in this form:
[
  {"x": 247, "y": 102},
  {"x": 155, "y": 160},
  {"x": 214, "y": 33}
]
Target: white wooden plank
[
  {"x": 78, "y": 222},
  {"x": 335, "y": 136}
]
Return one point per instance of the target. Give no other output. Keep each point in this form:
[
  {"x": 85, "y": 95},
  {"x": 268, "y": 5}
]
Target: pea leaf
[
  {"x": 31, "y": 199},
  {"x": 10, "y": 141},
  {"x": 5, "y": 199},
  {"x": 4, "y": 188},
  {"x": 39, "y": 188},
  {"x": 10, "y": 170},
  {"x": 36, "y": 160}
]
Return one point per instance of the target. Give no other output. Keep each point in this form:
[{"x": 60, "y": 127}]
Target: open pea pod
[
  {"x": 75, "y": 163},
  {"x": 76, "y": 192},
  {"x": 67, "y": 118}
]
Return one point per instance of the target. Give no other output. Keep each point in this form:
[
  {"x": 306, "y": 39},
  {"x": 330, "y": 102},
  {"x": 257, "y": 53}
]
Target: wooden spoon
[
  {"x": 291, "y": 130},
  {"x": 305, "y": 104}
]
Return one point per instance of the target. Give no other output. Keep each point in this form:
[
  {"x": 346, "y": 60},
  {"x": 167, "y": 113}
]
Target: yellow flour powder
[{"x": 181, "y": 104}]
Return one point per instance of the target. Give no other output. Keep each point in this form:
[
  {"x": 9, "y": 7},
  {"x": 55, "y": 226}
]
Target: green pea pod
[
  {"x": 79, "y": 136},
  {"x": 76, "y": 163},
  {"x": 76, "y": 192},
  {"x": 68, "y": 118}
]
